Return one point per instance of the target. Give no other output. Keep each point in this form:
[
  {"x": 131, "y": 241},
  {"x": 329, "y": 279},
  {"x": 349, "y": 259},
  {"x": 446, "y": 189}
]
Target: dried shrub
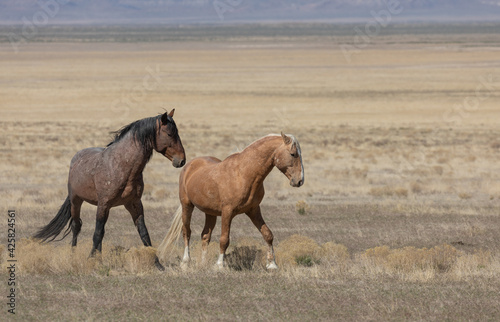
[
  {"x": 140, "y": 260},
  {"x": 306, "y": 261},
  {"x": 377, "y": 255},
  {"x": 336, "y": 255},
  {"x": 296, "y": 249},
  {"x": 301, "y": 207},
  {"x": 333, "y": 251},
  {"x": 36, "y": 258},
  {"x": 480, "y": 263},
  {"x": 482, "y": 258},
  {"x": 33, "y": 257},
  {"x": 443, "y": 257},
  {"x": 410, "y": 259}
]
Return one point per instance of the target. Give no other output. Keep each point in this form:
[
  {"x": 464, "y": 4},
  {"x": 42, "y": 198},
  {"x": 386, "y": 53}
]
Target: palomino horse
[
  {"x": 112, "y": 176},
  {"x": 231, "y": 187}
]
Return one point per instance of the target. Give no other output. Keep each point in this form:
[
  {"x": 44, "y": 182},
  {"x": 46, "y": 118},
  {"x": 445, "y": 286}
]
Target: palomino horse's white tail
[{"x": 172, "y": 235}]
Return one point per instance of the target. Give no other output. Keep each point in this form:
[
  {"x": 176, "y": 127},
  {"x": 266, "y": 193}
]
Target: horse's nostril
[
  {"x": 300, "y": 183},
  {"x": 183, "y": 162}
]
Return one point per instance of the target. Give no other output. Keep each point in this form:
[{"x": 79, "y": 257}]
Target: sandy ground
[{"x": 400, "y": 146}]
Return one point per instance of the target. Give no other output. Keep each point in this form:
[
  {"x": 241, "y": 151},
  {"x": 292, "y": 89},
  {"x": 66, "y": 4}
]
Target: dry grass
[
  {"x": 388, "y": 191},
  {"x": 435, "y": 253},
  {"x": 398, "y": 219},
  {"x": 293, "y": 254},
  {"x": 40, "y": 259}
]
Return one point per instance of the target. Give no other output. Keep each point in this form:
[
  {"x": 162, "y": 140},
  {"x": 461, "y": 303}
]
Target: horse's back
[
  {"x": 205, "y": 164},
  {"x": 85, "y": 154}
]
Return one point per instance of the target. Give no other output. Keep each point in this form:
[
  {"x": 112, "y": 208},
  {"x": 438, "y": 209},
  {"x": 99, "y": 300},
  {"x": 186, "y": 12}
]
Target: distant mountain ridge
[{"x": 203, "y": 11}]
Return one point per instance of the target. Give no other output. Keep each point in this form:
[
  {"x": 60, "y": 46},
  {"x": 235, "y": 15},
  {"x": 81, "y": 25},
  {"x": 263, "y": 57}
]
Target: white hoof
[
  {"x": 271, "y": 266},
  {"x": 185, "y": 264},
  {"x": 219, "y": 267}
]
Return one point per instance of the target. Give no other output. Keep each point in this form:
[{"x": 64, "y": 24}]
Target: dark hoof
[{"x": 159, "y": 265}]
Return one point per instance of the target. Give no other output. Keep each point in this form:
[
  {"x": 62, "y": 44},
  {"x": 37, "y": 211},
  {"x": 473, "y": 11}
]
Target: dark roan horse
[{"x": 112, "y": 176}]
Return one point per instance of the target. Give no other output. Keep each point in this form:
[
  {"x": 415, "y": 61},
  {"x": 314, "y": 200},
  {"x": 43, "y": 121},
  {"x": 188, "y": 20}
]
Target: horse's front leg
[
  {"x": 256, "y": 217},
  {"x": 227, "y": 217},
  {"x": 137, "y": 212},
  {"x": 101, "y": 218}
]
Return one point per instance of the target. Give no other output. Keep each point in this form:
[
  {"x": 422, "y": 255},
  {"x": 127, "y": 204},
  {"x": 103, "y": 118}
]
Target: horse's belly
[
  {"x": 247, "y": 205},
  {"x": 248, "y": 200},
  {"x": 132, "y": 191},
  {"x": 210, "y": 211},
  {"x": 207, "y": 200}
]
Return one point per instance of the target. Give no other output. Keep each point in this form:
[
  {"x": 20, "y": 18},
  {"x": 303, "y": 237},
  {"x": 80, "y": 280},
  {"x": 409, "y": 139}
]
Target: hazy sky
[{"x": 220, "y": 11}]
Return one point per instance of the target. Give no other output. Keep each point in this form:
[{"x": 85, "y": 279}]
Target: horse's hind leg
[
  {"x": 76, "y": 224},
  {"x": 256, "y": 217},
  {"x": 206, "y": 235},
  {"x": 101, "y": 218},
  {"x": 137, "y": 212},
  {"x": 187, "y": 211}
]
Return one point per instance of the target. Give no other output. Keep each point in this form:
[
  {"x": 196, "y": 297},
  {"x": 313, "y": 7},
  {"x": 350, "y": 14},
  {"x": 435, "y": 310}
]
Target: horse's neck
[
  {"x": 258, "y": 158},
  {"x": 131, "y": 153}
]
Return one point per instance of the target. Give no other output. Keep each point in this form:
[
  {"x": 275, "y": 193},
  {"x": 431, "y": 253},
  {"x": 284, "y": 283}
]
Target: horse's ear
[
  {"x": 164, "y": 118},
  {"x": 171, "y": 114},
  {"x": 286, "y": 139}
]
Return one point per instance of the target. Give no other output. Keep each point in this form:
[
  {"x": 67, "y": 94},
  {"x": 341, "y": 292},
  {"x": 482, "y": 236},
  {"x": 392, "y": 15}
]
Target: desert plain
[{"x": 399, "y": 217}]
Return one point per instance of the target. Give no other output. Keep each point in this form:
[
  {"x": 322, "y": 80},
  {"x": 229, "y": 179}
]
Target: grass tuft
[
  {"x": 301, "y": 207},
  {"x": 297, "y": 250},
  {"x": 411, "y": 260}
]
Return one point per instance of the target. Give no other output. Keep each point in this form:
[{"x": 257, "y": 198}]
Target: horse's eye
[
  {"x": 294, "y": 155},
  {"x": 172, "y": 133}
]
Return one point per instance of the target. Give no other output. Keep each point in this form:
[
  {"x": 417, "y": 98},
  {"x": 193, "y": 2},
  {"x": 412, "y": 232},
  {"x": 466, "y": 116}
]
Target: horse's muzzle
[
  {"x": 296, "y": 183},
  {"x": 178, "y": 163}
]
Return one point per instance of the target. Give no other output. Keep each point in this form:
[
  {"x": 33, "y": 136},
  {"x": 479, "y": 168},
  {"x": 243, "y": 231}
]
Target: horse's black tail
[{"x": 57, "y": 224}]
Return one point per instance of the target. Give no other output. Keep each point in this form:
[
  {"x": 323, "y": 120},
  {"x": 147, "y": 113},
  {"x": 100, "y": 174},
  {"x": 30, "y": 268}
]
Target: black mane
[{"x": 144, "y": 132}]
